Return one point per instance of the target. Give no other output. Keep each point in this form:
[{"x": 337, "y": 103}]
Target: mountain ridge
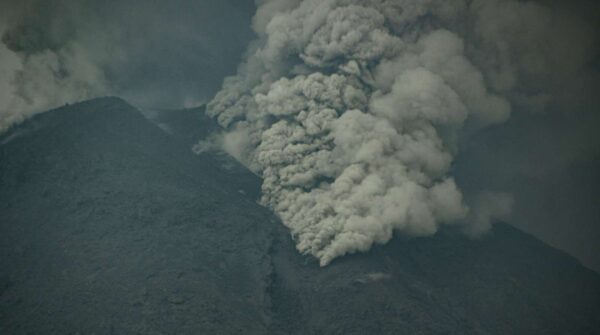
[{"x": 109, "y": 224}]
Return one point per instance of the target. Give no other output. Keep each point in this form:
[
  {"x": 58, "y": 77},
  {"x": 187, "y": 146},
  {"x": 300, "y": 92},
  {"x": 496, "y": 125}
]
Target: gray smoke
[
  {"x": 38, "y": 69},
  {"x": 158, "y": 54},
  {"x": 353, "y": 111}
]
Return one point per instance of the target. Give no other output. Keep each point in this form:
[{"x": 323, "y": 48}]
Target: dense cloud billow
[{"x": 353, "y": 111}]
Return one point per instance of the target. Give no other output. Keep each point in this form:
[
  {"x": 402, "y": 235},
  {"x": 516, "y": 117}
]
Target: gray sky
[{"x": 551, "y": 164}]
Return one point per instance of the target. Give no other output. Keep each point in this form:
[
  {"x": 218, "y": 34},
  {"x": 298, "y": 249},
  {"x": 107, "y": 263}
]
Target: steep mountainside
[{"x": 110, "y": 225}]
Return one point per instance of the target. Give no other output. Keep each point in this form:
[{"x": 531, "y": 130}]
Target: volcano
[{"x": 110, "y": 224}]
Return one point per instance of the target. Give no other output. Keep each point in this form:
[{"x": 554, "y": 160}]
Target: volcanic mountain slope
[{"x": 110, "y": 225}]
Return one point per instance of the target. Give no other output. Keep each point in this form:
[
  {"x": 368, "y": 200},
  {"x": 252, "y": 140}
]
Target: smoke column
[{"x": 353, "y": 111}]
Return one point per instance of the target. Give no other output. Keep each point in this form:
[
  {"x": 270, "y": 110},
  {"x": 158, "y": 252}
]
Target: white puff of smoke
[{"x": 488, "y": 206}]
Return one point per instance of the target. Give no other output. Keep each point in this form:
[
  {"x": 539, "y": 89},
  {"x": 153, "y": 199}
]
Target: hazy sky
[
  {"x": 159, "y": 54},
  {"x": 176, "y": 53}
]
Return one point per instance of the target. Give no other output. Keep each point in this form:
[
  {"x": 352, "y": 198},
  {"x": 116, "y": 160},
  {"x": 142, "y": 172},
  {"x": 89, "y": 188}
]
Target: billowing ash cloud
[
  {"x": 159, "y": 54},
  {"x": 352, "y": 111}
]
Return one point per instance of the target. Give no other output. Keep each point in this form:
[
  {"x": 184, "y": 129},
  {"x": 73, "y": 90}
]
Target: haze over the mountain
[{"x": 111, "y": 225}]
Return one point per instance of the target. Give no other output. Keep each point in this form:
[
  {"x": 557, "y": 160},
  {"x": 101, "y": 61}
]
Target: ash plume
[{"x": 353, "y": 111}]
